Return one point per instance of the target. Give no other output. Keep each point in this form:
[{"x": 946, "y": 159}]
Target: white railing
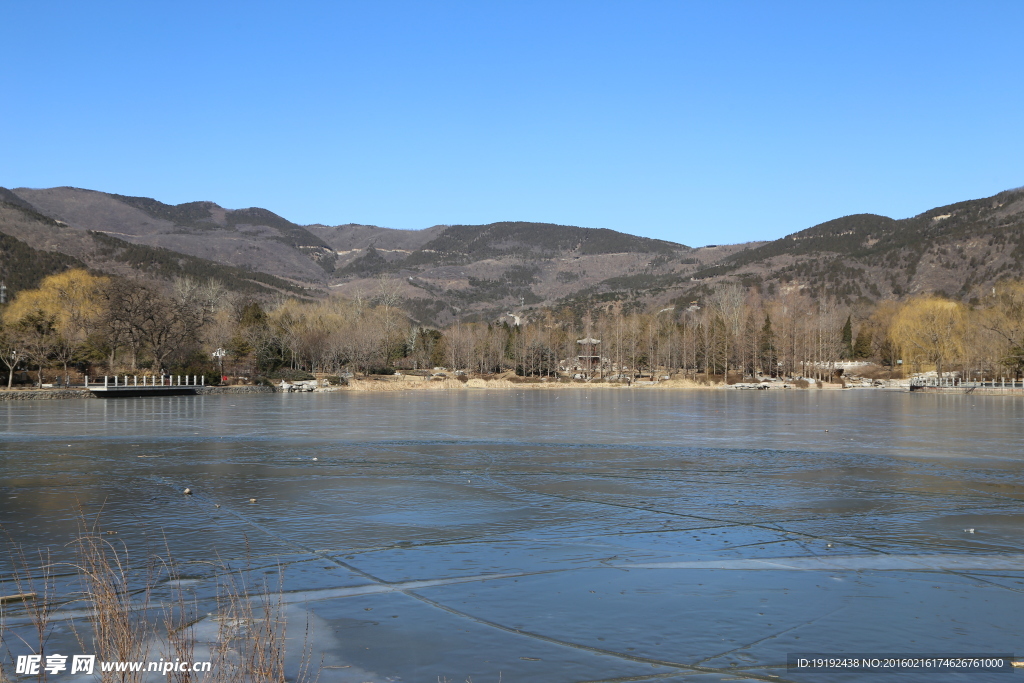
[
  {"x": 956, "y": 382},
  {"x": 121, "y": 381}
]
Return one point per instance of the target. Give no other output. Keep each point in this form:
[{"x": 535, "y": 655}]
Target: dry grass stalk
[
  {"x": 249, "y": 646},
  {"x": 121, "y": 632},
  {"x": 252, "y": 633},
  {"x": 180, "y": 616},
  {"x": 37, "y": 597}
]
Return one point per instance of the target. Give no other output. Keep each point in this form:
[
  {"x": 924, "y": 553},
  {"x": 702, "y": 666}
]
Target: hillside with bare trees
[{"x": 77, "y": 322}]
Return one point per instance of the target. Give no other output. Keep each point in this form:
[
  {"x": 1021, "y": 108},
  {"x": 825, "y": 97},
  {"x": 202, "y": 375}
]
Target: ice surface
[{"x": 555, "y": 536}]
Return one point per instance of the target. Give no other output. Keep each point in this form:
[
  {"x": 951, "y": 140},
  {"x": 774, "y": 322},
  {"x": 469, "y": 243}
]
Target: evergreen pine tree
[
  {"x": 862, "y": 347},
  {"x": 848, "y": 338},
  {"x": 769, "y": 357}
]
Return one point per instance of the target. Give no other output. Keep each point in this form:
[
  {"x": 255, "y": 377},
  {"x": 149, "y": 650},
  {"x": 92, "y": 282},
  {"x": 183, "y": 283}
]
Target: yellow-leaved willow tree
[
  {"x": 54, "y": 321},
  {"x": 931, "y": 329},
  {"x": 1002, "y": 316}
]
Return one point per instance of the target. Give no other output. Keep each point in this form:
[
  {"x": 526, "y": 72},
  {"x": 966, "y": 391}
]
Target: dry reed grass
[
  {"x": 123, "y": 624},
  {"x": 35, "y": 591}
]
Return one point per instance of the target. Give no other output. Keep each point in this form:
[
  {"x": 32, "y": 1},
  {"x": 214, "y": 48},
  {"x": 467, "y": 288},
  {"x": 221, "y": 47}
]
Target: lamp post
[{"x": 219, "y": 355}]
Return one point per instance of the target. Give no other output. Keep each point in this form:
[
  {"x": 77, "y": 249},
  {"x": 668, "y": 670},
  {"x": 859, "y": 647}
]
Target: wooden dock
[{"x": 125, "y": 386}]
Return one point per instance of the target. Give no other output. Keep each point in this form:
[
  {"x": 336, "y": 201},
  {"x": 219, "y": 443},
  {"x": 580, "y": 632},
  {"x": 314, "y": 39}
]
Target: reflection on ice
[{"x": 308, "y": 635}]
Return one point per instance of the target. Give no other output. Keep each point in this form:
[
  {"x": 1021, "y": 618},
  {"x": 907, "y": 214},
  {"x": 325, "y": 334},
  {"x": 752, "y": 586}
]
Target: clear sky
[{"x": 710, "y": 122}]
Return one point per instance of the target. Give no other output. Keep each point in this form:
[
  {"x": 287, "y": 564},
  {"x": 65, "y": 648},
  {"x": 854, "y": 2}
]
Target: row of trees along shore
[{"x": 77, "y": 322}]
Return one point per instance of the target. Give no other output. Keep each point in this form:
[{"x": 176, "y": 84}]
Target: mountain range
[{"x": 450, "y": 272}]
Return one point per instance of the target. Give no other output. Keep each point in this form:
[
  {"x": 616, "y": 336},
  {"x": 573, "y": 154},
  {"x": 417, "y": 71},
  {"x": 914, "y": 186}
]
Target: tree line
[{"x": 80, "y": 322}]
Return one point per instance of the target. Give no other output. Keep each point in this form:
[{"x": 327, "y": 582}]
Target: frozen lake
[{"x": 572, "y": 535}]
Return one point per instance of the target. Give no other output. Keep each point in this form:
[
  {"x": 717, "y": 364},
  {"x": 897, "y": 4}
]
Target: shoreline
[
  {"x": 426, "y": 384},
  {"x": 80, "y": 392},
  {"x": 414, "y": 383}
]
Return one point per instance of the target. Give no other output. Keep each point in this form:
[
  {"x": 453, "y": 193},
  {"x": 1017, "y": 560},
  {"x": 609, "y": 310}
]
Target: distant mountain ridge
[
  {"x": 952, "y": 249},
  {"x": 34, "y": 245},
  {"x": 254, "y": 238},
  {"x": 450, "y": 272},
  {"x": 447, "y": 271}
]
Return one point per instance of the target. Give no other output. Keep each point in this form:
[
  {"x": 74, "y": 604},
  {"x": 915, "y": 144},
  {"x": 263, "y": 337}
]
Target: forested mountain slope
[
  {"x": 33, "y": 246},
  {"x": 450, "y": 272},
  {"x": 254, "y": 239},
  {"x": 952, "y": 250},
  {"x": 446, "y": 272}
]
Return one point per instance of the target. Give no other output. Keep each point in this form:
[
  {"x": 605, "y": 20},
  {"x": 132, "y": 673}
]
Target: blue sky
[{"x": 700, "y": 123}]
